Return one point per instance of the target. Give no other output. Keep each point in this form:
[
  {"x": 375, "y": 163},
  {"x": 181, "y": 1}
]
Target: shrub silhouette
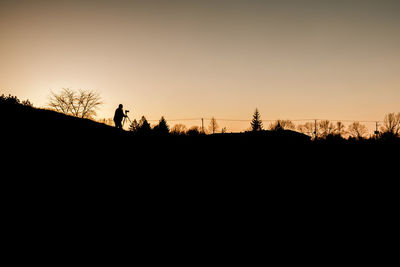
[
  {"x": 13, "y": 100},
  {"x": 334, "y": 138},
  {"x": 134, "y": 127},
  {"x": 194, "y": 131}
]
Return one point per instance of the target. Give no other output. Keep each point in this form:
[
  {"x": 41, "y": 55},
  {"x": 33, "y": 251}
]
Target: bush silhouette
[
  {"x": 134, "y": 127},
  {"x": 13, "y": 100},
  {"x": 194, "y": 131}
]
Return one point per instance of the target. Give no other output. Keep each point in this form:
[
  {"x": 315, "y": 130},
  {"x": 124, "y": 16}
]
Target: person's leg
[{"x": 118, "y": 124}]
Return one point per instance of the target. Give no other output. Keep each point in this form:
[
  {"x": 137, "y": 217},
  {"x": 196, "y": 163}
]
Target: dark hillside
[
  {"x": 26, "y": 122},
  {"x": 36, "y": 134},
  {"x": 57, "y": 167}
]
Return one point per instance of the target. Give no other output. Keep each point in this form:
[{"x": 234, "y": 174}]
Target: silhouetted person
[{"x": 118, "y": 116}]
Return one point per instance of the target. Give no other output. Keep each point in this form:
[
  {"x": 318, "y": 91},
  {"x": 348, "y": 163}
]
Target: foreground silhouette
[
  {"x": 58, "y": 168},
  {"x": 118, "y": 116},
  {"x": 60, "y": 138}
]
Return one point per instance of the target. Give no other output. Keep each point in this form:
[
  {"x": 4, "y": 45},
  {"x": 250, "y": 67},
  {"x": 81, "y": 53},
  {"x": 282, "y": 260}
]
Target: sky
[{"x": 291, "y": 59}]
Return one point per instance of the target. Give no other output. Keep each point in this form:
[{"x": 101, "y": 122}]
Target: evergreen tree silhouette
[
  {"x": 144, "y": 126},
  {"x": 256, "y": 123},
  {"x": 162, "y": 128}
]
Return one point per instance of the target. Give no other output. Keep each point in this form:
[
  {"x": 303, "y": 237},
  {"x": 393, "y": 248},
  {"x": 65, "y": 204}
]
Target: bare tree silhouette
[
  {"x": 213, "y": 125},
  {"x": 391, "y": 124},
  {"x": 307, "y": 128},
  {"x": 282, "y": 125},
  {"x": 178, "y": 129},
  {"x": 82, "y": 104},
  {"x": 326, "y": 128},
  {"x": 339, "y": 129},
  {"x": 357, "y": 130}
]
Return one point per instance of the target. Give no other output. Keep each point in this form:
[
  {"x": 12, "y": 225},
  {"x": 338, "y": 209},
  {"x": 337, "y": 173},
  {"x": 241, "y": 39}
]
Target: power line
[
  {"x": 191, "y": 119},
  {"x": 200, "y": 120},
  {"x": 269, "y": 120}
]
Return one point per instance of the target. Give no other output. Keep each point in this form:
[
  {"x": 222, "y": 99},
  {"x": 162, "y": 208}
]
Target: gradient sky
[{"x": 181, "y": 59}]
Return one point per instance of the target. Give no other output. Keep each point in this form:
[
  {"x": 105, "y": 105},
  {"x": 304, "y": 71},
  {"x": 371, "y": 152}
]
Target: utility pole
[
  {"x": 376, "y": 128},
  {"x": 202, "y": 125},
  {"x": 315, "y": 129}
]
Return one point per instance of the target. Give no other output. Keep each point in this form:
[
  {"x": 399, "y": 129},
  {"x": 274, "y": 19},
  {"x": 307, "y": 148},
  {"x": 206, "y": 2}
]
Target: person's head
[{"x": 120, "y": 106}]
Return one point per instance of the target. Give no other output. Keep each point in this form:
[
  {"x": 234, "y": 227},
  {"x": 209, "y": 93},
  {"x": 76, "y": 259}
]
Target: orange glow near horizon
[{"x": 198, "y": 59}]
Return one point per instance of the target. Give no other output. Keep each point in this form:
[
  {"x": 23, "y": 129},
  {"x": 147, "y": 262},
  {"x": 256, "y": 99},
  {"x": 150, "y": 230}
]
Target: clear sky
[{"x": 291, "y": 59}]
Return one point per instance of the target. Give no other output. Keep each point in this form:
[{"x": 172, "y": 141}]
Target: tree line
[
  {"x": 143, "y": 127},
  {"x": 84, "y": 104},
  {"x": 320, "y": 130},
  {"x": 324, "y": 129}
]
